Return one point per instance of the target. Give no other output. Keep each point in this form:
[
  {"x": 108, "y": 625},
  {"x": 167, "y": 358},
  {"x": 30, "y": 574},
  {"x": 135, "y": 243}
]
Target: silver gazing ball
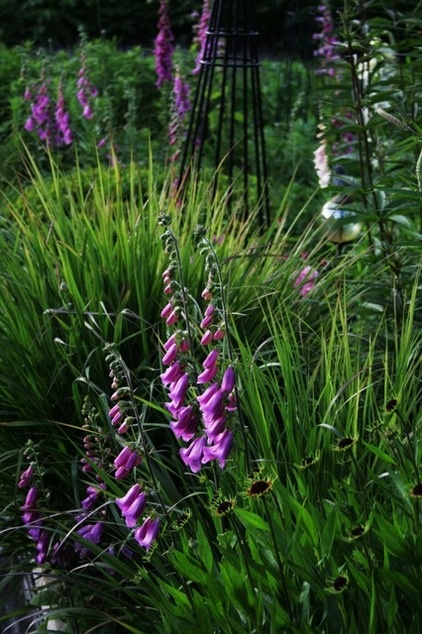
[{"x": 339, "y": 232}]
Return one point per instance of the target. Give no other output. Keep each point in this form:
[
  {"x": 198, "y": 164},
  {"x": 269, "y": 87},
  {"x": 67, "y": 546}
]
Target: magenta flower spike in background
[
  {"x": 63, "y": 130},
  {"x": 163, "y": 47},
  {"x": 86, "y": 91},
  {"x": 328, "y": 42},
  {"x": 220, "y": 449},
  {"x": 147, "y": 533},
  {"x": 201, "y": 34}
]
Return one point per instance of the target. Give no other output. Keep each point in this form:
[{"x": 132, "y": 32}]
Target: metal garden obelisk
[{"x": 225, "y": 128}]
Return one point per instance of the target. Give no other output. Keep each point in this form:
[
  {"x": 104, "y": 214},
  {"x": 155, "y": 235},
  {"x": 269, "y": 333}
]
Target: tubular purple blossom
[
  {"x": 193, "y": 454},
  {"x": 172, "y": 374},
  {"x": 26, "y": 477},
  {"x": 178, "y": 390},
  {"x": 170, "y": 355},
  {"x": 211, "y": 359},
  {"x": 125, "y": 462},
  {"x": 31, "y": 499},
  {"x": 186, "y": 425},
  {"x": 147, "y": 533},
  {"x": 207, "y": 375},
  {"x": 228, "y": 381}
]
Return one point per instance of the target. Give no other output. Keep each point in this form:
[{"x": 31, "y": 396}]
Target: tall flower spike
[
  {"x": 163, "y": 47},
  {"x": 200, "y": 37},
  {"x": 63, "y": 129},
  {"x": 86, "y": 91}
]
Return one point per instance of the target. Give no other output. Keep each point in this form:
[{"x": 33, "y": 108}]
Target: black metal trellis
[{"x": 226, "y": 119}]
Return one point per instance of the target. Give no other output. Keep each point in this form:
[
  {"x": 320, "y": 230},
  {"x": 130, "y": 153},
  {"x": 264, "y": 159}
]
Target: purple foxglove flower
[
  {"x": 186, "y": 425},
  {"x": 26, "y": 477},
  {"x": 34, "y": 528},
  {"x": 90, "y": 532},
  {"x": 87, "y": 112},
  {"x": 213, "y": 407},
  {"x": 116, "y": 414},
  {"x": 228, "y": 381},
  {"x": 219, "y": 334},
  {"x": 125, "y": 502},
  {"x": 172, "y": 318},
  {"x": 172, "y": 374},
  {"x": 306, "y": 280},
  {"x": 220, "y": 449},
  {"x": 178, "y": 391},
  {"x": 170, "y": 355},
  {"x": 64, "y": 133},
  {"x": 125, "y": 462},
  {"x": 206, "y": 338},
  {"x": 93, "y": 495},
  {"x": 86, "y": 91},
  {"x": 207, "y": 375},
  {"x": 208, "y": 317},
  {"x": 132, "y": 505},
  {"x": 181, "y": 93},
  {"x": 147, "y": 533},
  {"x": 211, "y": 359},
  {"x": 42, "y": 547},
  {"x": 193, "y": 454},
  {"x": 124, "y": 427},
  {"x": 209, "y": 392},
  {"x": 214, "y": 427},
  {"x": 171, "y": 340},
  {"x": 206, "y": 294},
  {"x": 163, "y": 47},
  {"x": 31, "y": 499},
  {"x": 123, "y": 456},
  {"x": 231, "y": 405},
  {"x": 29, "y": 125}
]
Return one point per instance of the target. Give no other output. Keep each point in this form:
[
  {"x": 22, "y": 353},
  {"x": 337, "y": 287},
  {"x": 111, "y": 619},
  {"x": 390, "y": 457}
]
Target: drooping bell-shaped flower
[
  {"x": 193, "y": 454},
  {"x": 132, "y": 505},
  {"x": 220, "y": 449},
  {"x": 147, "y": 533}
]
